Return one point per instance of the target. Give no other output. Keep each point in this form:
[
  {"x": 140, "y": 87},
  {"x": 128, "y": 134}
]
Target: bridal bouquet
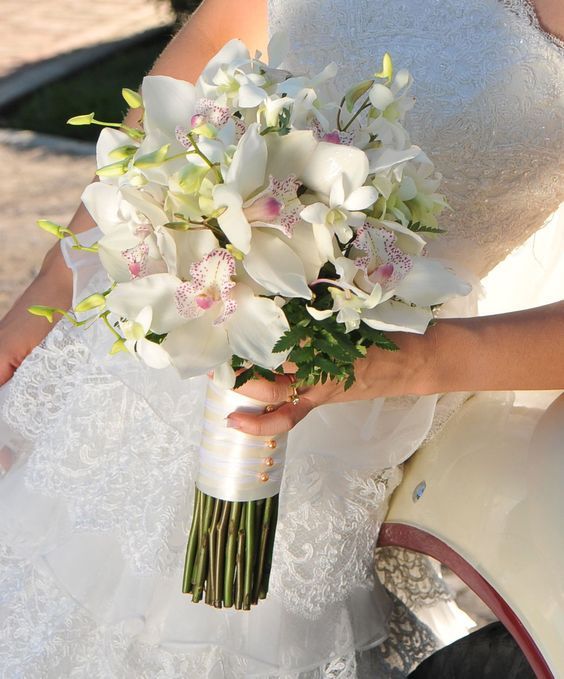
[{"x": 250, "y": 221}]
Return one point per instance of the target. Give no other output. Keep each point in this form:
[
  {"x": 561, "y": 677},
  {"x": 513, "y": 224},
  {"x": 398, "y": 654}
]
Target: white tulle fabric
[{"x": 95, "y": 511}]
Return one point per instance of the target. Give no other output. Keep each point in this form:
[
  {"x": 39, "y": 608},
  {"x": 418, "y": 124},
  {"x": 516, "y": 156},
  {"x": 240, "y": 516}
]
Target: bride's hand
[
  {"x": 381, "y": 373},
  {"x": 20, "y": 332},
  {"x": 518, "y": 350}
]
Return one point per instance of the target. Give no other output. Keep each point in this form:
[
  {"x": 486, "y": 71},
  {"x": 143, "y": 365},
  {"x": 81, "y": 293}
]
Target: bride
[{"x": 100, "y": 453}]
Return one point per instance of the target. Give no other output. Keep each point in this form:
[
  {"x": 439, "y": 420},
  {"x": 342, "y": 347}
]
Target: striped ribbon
[{"x": 236, "y": 466}]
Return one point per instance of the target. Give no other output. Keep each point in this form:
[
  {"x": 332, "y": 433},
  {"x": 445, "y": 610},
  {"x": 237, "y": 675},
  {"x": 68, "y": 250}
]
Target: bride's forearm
[
  {"x": 212, "y": 24},
  {"x": 519, "y": 350}
]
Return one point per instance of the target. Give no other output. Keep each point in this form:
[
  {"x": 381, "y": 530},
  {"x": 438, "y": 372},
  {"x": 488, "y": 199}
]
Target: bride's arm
[
  {"x": 518, "y": 350},
  {"x": 214, "y": 23}
]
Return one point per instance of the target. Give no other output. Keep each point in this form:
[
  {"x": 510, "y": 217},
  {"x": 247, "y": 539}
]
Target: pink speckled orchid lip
[{"x": 211, "y": 284}]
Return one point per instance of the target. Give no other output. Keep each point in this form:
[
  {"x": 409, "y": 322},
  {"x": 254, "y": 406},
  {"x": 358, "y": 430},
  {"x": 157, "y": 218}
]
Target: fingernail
[{"x": 232, "y": 424}]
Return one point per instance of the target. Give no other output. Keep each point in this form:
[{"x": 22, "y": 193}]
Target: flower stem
[
  {"x": 192, "y": 545},
  {"x": 264, "y": 534},
  {"x": 211, "y": 576},
  {"x": 203, "y": 551},
  {"x": 240, "y": 560},
  {"x": 203, "y": 156},
  {"x": 363, "y": 107},
  {"x": 221, "y": 529},
  {"x": 269, "y": 549},
  {"x": 249, "y": 553},
  {"x": 231, "y": 552}
]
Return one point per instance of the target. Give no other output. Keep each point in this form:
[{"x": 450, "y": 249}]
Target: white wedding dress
[{"x": 95, "y": 509}]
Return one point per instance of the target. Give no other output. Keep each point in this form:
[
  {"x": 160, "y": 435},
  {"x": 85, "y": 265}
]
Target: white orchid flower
[
  {"x": 383, "y": 263},
  {"x": 224, "y": 318},
  {"x": 208, "y": 318},
  {"x": 337, "y": 173},
  {"x": 414, "y": 279},
  {"x": 349, "y": 301},
  {"x": 136, "y": 342},
  {"x": 258, "y": 202},
  {"x": 134, "y": 243},
  {"x": 386, "y": 288},
  {"x": 393, "y": 101},
  {"x": 228, "y": 80}
]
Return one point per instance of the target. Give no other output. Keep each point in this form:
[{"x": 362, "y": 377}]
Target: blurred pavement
[
  {"x": 41, "y": 29},
  {"x": 41, "y": 181}
]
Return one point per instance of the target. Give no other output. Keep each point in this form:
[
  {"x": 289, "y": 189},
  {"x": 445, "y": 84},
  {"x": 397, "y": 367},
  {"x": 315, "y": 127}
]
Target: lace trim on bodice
[{"x": 526, "y": 10}]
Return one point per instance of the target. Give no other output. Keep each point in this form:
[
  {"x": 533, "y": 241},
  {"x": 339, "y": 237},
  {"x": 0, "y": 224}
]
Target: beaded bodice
[{"x": 489, "y": 85}]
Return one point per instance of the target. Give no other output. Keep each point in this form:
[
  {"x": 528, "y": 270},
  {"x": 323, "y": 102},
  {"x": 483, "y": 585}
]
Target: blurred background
[{"x": 60, "y": 58}]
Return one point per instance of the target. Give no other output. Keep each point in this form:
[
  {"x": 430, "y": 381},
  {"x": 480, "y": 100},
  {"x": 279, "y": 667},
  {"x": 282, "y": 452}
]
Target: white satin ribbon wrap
[{"x": 236, "y": 466}]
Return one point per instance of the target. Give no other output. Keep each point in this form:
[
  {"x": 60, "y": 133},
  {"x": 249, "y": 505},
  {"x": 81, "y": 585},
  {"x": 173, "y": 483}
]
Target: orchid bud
[
  {"x": 138, "y": 181},
  {"x": 91, "y": 302},
  {"x": 50, "y": 227},
  {"x": 86, "y": 119},
  {"x": 117, "y": 346},
  {"x": 132, "y": 98},
  {"x": 122, "y": 152},
  {"x": 113, "y": 170},
  {"x": 354, "y": 94},
  {"x": 387, "y": 71},
  {"x": 45, "y": 311},
  {"x": 153, "y": 159},
  {"x": 177, "y": 226}
]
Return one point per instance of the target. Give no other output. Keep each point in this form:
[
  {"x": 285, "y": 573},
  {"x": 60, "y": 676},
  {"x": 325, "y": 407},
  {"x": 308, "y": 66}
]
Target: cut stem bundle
[{"x": 229, "y": 551}]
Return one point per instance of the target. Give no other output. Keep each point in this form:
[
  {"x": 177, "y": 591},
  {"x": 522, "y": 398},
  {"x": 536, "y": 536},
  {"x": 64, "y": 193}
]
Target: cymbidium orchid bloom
[
  {"x": 133, "y": 243},
  {"x": 207, "y": 318},
  {"x": 349, "y": 301},
  {"x": 410, "y": 283},
  {"x": 136, "y": 342},
  {"x": 338, "y": 174},
  {"x": 256, "y": 205}
]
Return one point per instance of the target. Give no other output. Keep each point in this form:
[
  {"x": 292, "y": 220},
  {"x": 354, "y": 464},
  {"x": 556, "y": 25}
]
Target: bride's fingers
[
  {"x": 278, "y": 421},
  {"x": 267, "y": 391}
]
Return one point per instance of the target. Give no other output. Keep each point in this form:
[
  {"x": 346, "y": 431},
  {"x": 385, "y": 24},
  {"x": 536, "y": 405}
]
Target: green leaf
[
  {"x": 243, "y": 377},
  {"x": 417, "y": 227},
  {"x": 327, "y": 366},
  {"x": 290, "y": 338},
  {"x": 264, "y": 372},
  {"x": 302, "y": 354}
]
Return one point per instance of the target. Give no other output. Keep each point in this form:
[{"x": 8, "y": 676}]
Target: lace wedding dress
[{"x": 95, "y": 510}]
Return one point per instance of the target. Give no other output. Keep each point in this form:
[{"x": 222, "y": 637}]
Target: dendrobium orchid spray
[{"x": 247, "y": 222}]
